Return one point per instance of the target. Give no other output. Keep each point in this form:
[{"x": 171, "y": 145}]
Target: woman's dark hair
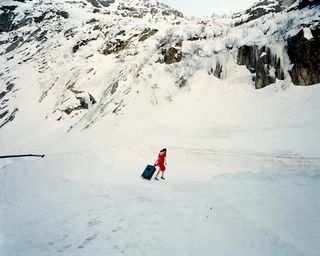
[{"x": 163, "y": 150}]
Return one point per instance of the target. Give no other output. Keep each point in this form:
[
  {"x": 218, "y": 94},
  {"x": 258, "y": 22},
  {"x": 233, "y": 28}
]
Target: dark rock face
[
  {"x": 260, "y": 9},
  {"x": 14, "y": 45},
  {"x": 42, "y": 37},
  {"x": 92, "y": 21},
  {"x": 248, "y": 55},
  {"x": 35, "y": 35},
  {"x": 9, "y": 86},
  {"x": 305, "y": 55},
  {"x": 48, "y": 15},
  {"x": 6, "y": 18},
  {"x": 2, "y": 115},
  {"x": 101, "y": 3},
  {"x": 172, "y": 55},
  {"x": 40, "y": 18},
  {"x": 218, "y": 70},
  {"x": 146, "y": 7},
  {"x": 63, "y": 14},
  {"x": 265, "y": 74},
  {"x": 148, "y": 32},
  {"x": 115, "y": 46},
  {"x": 4, "y": 42},
  {"x": 114, "y": 87},
  {"x": 2, "y": 94},
  {"x": 83, "y": 104},
  {"x": 196, "y": 38},
  {"x": 261, "y": 61},
  {"x": 305, "y": 3},
  {"x": 69, "y": 33},
  {"x": 8, "y": 118},
  {"x": 172, "y": 12},
  {"x": 24, "y": 22},
  {"x": 92, "y": 99},
  {"x": 81, "y": 43}
]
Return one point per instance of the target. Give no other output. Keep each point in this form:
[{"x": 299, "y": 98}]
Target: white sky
[{"x": 208, "y": 7}]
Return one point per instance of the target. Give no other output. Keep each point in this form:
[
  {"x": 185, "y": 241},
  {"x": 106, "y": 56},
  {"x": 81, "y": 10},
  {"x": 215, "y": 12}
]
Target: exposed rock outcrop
[
  {"x": 18, "y": 41},
  {"x": 305, "y": 3},
  {"x": 265, "y": 7},
  {"x": 82, "y": 43},
  {"x": 248, "y": 55},
  {"x": 262, "y": 62},
  {"x": 304, "y": 53},
  {"x": 144, "y": 8},
  {"x": 182, "y": 82},
  {"x": 63, "y": 14},
  {"x": 84, "y": 101},
  {"x": 148, "y": 32},
  {"x": 171, "y": 55},
  {"x": 261, "y": 8},
  {"x": 6, "y": 18},
  {"x": 2, "y": 115},
  {"x": 217, "y": 71},
  {"x": 115, "y": 46},
  {"x": 9, "y": 117},
  {"x": 2, "y": 94},
  {"x": 101, "y": 3}
]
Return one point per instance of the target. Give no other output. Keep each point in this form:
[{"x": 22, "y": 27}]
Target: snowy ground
[{"x": 96, "y": 204}]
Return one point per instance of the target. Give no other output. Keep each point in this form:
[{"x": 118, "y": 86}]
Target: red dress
[{"x": 161, "y": 160}]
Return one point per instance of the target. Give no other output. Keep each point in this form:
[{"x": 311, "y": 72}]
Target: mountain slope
[{"x": 68, "y": 64}]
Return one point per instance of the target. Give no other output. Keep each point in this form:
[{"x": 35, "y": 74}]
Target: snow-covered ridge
[{"x": 88, "y": 62}]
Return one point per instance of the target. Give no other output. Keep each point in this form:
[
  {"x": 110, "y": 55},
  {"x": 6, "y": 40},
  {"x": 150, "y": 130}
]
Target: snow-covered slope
[{"x": 79, "y": 63}]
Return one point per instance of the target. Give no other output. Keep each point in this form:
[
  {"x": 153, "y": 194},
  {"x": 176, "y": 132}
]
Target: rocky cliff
[{"x": 304, "y": 54}]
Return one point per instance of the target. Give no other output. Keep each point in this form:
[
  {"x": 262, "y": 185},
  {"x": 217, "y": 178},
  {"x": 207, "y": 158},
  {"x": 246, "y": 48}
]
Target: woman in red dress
[{"x": 161, "y": 162}]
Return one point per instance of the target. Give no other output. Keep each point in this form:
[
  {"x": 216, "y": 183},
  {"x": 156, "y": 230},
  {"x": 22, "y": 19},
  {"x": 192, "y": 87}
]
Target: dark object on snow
[
  {"x": 29, "y": 155},
  {"x": 148, "y": 172},
  {"x": 63, "y": 14},
  {"x": 171, "y": 55}
]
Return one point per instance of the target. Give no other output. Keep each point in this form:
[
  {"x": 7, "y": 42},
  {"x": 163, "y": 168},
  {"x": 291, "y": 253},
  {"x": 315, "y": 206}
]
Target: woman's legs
[
  {"x": 162, "y": 173},
  {"x": 157, "y": 174}
]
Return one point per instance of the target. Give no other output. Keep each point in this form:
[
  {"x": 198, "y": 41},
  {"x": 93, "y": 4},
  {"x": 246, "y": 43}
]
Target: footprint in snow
[
  {"x": 94, "y": 222},
  {"x": 87, "y": 240},
  {"x": 65, "y": 248},
  {"x": 116, "y": 229}
]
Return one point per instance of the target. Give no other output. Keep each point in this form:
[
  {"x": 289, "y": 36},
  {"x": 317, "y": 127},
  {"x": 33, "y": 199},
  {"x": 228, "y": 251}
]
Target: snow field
[{"x": 96, "y": 203}]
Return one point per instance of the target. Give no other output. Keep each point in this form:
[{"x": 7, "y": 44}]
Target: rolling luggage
[{"x": 148, "y": 172}]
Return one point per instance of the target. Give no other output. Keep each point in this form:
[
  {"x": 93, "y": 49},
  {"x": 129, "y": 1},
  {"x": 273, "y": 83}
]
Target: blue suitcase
[{"x": 148, "y": 172}]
